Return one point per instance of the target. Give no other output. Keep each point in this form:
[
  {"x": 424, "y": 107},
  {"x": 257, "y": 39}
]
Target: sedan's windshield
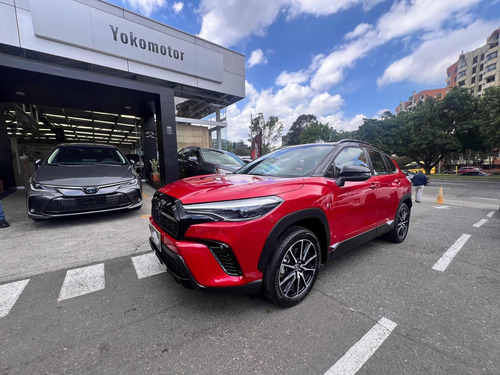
[
  {"x": 75, "y": 155},
  {"x": 221, "y": 158},
  {"x": 289, "y": 162}
]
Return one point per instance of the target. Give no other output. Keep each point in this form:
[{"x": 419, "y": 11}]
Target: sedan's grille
[
  {"x": 162, "y": 211},
  {"x": 91, "y": 203},
  {"x": 225, "y": 257}
]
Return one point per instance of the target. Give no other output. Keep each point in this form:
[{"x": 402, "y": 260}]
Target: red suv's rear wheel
[{"x": 293, "y": 268}]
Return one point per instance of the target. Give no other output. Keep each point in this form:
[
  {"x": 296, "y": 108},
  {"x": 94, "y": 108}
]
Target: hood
[
  {"x": 82, "y": 175},
  {"x": 220, "y": 187}
]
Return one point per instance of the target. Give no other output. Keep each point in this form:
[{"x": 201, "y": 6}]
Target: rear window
[{"x": 74, "y": 155}]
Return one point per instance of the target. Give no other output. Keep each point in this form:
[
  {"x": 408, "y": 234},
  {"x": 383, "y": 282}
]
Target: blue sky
[{"x": 341, "y": 60}]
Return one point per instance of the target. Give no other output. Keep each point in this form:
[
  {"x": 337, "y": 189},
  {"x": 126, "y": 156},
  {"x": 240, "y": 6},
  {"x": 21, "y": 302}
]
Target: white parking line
[
  {"x": 490, "y": 214},
  {"x": 82, "y": 281},
  {"x": 147, "y": 265},
  {"x": 488, "y": 199},
  {"x": 361, "y": 352},
  {"x": 9, "y": 293},
  {"x": 448, "y": 256},
  {"x": 480, "y": 222}
]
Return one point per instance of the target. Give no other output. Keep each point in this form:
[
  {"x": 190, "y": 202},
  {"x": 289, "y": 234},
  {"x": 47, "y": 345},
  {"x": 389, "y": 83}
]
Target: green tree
[
  {"x": 271, "y": 131},
  {"x": 429, "y": 133},
  {"x": 316, "y": 132},
  {"x": 298, "y": 126},
  {"x": 489, "y": 116}
]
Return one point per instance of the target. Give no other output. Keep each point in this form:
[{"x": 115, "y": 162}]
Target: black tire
[
  {"x": 293, "y": 267},
  {"x": 401, "y": 225}
]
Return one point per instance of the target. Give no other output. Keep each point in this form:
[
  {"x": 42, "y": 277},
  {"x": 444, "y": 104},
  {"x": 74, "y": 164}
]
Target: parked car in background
[
  {"x": 273, "y": 223},
  {"x": 476, "y": 173},
  {"x": 246, "y": 159},
  {"x": 81, "y": 179},
  {"x": 463, "y": 170},
  {"x": 195, "y": 161}
]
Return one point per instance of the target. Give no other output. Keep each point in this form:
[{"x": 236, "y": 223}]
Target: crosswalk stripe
[
  {"x": 82, "y": 281},
  {"x": 147, "y": 265},
  {"x": 9, "y": 293}
]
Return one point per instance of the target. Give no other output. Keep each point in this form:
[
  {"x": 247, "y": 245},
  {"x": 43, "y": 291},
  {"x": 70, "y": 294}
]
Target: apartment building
[
  {"x": 477, "y": 70},
  {"x": 416, "y": 98}
]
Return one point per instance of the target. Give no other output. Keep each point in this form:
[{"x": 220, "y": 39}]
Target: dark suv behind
[{"x": 273, "y": 223}]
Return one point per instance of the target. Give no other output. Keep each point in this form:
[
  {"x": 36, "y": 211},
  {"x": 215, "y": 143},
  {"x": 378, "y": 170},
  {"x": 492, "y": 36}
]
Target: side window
[
  {"x": 197, "y": 154},
  {"x": 390, "y": 164},
  {"x": 348, "y": 156},
  {"x": 378, "y": 163},
  {"x": 184, "y": 153}
]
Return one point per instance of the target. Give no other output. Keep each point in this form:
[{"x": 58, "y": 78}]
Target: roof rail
[{"x": 352, "y": 140}]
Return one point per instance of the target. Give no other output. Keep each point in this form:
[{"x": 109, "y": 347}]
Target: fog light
[{"x": 32, "y": 210}]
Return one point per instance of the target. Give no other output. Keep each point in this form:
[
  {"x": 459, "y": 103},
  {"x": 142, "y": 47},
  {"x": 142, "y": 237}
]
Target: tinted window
[
  {"x": 76, "y": 155},
  {"x": 219, "y": 158},
  {"x": 289, "y": 162},
  {"x": 348, "y": 156},
  {"x": 184, "y": 153},
  {"x": 378, "y": 163},
  {"x": 390, "y": 164}
]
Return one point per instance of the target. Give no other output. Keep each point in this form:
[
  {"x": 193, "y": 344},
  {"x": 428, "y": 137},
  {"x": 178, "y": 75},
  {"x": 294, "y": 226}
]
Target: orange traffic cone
[{"x": 440, "y": 198}]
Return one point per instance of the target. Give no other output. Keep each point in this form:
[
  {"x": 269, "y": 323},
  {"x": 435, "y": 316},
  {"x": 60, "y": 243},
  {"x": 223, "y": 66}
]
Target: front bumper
[
  {"x": 53, "y": 203},
  {"x": 194, "y": 266}
]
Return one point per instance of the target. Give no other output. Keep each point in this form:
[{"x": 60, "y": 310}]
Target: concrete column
[
  {"x": 166, "y": 136},
  {"x": 219, "y": 133},
  {"x": 6, "y": 165},
  {"x": 150, "y": 147}
]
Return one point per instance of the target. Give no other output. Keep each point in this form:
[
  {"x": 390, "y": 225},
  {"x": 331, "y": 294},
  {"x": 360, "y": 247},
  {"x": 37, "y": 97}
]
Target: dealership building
[{"x": 89, "y": 71}]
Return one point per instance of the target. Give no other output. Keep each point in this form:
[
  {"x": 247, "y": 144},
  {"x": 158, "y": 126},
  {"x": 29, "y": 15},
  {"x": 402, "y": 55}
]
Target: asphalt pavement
[{"x": 109, "y": 313}]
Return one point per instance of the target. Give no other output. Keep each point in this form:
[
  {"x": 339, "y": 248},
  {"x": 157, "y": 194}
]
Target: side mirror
[
  {"x": 38, "y": 162},
  {"x": 132, "y": 161},
  {"x": 193, "y": 159},
  {"x": 353, "y": 173}
]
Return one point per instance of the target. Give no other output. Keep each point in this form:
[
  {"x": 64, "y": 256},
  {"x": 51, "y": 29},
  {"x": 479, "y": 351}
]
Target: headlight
[
  {"x": 39, "y": 187},
  {"x": 222, "y": 170},
  {"x": 132, "y": 182},
  {"x": 237, "y": 210}
]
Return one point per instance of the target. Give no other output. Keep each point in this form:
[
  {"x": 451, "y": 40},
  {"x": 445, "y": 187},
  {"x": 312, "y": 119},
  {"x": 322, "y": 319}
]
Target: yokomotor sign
[{"x": 81, "y": 25}]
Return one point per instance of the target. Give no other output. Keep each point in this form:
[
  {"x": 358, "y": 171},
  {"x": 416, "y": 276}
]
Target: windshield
[
  {"x": 288, "y": 162},
  {"x": 75, "y": 155},
  {"x": 219, "y": 158}
]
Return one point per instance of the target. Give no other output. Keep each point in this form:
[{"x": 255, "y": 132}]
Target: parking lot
[{"x": 427, "y": 306}]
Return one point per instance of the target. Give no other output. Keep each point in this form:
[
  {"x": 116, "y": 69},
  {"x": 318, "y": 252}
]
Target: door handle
[{"x": 373, "y": 186}]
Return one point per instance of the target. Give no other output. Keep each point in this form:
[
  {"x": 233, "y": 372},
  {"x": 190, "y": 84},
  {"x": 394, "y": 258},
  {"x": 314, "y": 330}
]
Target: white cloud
[
  {"x": 228, "y": 22},
  {"x": 256, "y": 57},
  {"x": 177, "y": 7},
  {"x": 358, "y": 31},
  {"x": 403, "y": 19},
  {"x": 424, "y": 65},
  {"x": 296, "y": 77},
  {"x": 146, "y": 7}
]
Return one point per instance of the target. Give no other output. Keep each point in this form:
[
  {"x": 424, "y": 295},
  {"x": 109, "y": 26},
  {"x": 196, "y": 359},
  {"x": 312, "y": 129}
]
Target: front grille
[
  {"x": 162, "y": 211},
  {"x": 90, "y": 203},
  {"x": 225, "y": 257}
]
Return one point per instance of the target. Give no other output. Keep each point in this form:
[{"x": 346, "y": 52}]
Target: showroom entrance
[{"x": 85, "y": 84}]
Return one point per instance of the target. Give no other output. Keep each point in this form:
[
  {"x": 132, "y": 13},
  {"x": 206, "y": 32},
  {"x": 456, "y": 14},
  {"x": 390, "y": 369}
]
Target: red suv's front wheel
[{"x": 293, "y": 268}]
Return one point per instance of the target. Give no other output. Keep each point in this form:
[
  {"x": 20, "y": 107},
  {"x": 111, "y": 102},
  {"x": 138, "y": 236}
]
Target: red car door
[{"x": 353, "y": 205}]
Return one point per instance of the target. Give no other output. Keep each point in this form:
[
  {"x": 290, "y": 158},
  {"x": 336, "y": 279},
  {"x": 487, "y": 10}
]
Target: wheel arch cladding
[{"x": 312, "y": 219}]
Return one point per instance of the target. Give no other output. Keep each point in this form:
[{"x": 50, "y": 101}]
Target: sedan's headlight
[
  {"x": 39, "y": 187},
  {"x": 237, "y": 210},
  {"x": 132, "y": 182}
]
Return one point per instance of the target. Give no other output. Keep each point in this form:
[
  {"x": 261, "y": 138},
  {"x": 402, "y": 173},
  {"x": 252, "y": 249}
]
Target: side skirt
[{"x": 342, "y": 247}]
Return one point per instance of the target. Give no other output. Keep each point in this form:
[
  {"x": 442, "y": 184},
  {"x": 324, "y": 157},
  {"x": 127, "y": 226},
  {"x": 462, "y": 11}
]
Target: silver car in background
[{"x": 80, "y": 179}]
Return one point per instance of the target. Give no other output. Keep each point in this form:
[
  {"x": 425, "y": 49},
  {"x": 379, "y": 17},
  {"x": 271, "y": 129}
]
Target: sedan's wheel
[
  {"x": 293, "y": 268},
  {"x": 398, "y": 234}
]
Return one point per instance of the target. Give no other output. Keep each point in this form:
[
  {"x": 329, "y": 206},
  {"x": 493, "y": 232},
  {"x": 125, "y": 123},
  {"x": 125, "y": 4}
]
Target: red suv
[{"x": 270, "y": 225}]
